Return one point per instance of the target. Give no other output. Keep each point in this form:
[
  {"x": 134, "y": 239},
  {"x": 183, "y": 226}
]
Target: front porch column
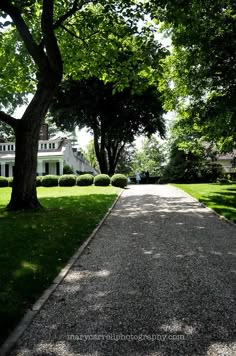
[
  {"x": 61, "y": 164},
  {"x": 40, "y": 168},
  {"x": 10, "y": 170},
  {"x": 3, "y": 169}
]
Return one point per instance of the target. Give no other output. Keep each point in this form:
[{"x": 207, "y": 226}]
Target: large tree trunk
[
  {"x": 24, "y": 194},
  {"x": 114, "y": 152},
  {"x": 100, "y": 152}
]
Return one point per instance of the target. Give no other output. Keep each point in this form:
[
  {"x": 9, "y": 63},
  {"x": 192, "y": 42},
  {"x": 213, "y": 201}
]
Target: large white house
[{"x": 53, "y": 155}]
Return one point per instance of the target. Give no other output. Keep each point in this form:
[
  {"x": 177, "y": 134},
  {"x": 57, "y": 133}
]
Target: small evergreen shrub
[
  {"x": 50, "y": 181},
  {"x": 10, "y": 181},
  {"x": 67, "y": 180},
  {"x": 68, "y": 169},
  {"x": 102, "y": 180},
  {"x": 3, "y": 182},
  {"x": 85, "y": 180},
  {"x": 119, "y": 180},
  {"x": 39, "y": 181}
]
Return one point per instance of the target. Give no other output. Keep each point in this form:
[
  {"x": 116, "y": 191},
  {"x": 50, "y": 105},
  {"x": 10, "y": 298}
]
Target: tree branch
[
  {"x": 34, "y": 50},
  {"x": 50, "y": 41},
  {"x": 70, "y": 12},
  {"x": 8, "y": 119}
]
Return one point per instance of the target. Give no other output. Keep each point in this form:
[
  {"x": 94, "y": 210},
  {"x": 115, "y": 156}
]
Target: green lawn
[
  {"x": 220, "y": 197},
  {"x": 34, "y": 246}
]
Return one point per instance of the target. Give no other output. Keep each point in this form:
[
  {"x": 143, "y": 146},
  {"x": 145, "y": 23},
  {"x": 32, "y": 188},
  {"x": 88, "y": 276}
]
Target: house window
[
  {"x": 53, "y": 145},
  {"x": 4, "y": 148},
  {"x": 45, "y": 146},
  {"x": 50, "y": 145},
  {"x": 12, "y": 147},
  {"x": 41, "y": 146},
  {"x": 8, "y": 147},
  {"x": 0, "y": 148}
]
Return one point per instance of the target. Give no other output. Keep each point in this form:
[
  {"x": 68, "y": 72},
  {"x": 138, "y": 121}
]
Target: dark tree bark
[
  {"x": 24, "y": 195},
  {"x": 100, "y": 152}
]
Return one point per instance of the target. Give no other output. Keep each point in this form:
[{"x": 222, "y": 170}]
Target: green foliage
[
  {"x": 10, "y": 181},
  {"x": 90, "y": 155},
  {"x": 85, "y": 180},
  {"x": 114, "y": 117},
  {"x": 50, "y": 181},
  {"x": 199, "y": 79},
  {"x": 149, "y": 157},
  {"x": 68, "y": 169},
  {"x": 212, "y": 172},
  {"x": 39, "y": 181},
  {"x": 67, "y": 180},
  {"x": 119, "y": 180},
  {"x": 191, "y": 164},
  {"x": 3, "y": 182},
  {"x": 102, "y": 180}
]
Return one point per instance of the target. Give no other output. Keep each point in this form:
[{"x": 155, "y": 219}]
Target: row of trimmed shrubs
[{"x": 70, "y": 180}]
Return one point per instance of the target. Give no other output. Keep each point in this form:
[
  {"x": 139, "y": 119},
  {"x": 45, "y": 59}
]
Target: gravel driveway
[{"x": 158, "y": 279}]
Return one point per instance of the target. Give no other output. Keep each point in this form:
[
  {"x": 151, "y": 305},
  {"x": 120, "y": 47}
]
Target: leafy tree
[
  {"x": 6, "y": 133},
  {"x": 190, "y": 160},
  {"x": 200, "y": 73},
  {"x": 33, "y": 39},
  {"x": 114, "y": 117},
  {"x": 90, "y": 155},
  {"x": 150, "y": 157},
  {"x": 125, "y": 161}
]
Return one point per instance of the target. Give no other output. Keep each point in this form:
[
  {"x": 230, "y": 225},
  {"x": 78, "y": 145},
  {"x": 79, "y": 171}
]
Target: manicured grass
[
  {"x": 34, "y": 246},
  {"x": 220, "y": 197}
]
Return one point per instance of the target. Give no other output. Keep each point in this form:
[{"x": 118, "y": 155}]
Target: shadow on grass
[
  {"x": 34, "y": 246},
  {"x": 223, "y": 202}
]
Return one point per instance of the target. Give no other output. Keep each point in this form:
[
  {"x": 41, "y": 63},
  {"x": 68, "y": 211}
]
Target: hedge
[
  {"x": 102, "y": 180},
  {"x": 10, "y": 181},
  {"x": 85, "y": 180},
  {"x": 39, "y": 181},
  {"x": 3, "y": 182},
  {"x": 119, "y": 180},
  {"x": 67, "y": 180},
  {"x": 50, "y": 181}
]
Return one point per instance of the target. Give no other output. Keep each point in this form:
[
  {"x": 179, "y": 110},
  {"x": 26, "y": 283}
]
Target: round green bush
[
  {"x": 85, "y": 180},
  {"x": 67, "y": 180},
  {"x": 119, "y": 180},
  {"x": 3, "y": 182},
  {"x": 102, "y": 180},
  {"x": 50, "y": 181},
  {"x": 38, "y": 181},
  {"x": 10, "y": 181}
]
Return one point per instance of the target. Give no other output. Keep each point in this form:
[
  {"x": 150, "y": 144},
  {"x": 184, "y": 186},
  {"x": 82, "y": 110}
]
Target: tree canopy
[
  {"x": 200, "y": 73},
  {"x": 43, "y": 41},
  {"x": 114, "y": 117}
]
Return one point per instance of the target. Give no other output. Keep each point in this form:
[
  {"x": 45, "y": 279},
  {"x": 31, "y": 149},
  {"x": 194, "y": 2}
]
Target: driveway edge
[
  {"x": 37, "y": 306},
  {"x": 221, "y": 217}
]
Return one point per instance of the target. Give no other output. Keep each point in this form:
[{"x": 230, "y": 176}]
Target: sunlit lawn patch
[
  {"x": 220, "y": 197},
  {"x": 34, "y": 246}
]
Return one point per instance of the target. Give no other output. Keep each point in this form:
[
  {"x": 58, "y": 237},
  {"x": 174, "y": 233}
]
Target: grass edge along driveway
[
  {"x": 35, "y": 246},
  {"x": 219, "y": 197}
]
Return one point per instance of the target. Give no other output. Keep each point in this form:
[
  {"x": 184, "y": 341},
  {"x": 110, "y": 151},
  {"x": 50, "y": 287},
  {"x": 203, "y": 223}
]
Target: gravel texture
[{"x": 158, "y": 279}]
